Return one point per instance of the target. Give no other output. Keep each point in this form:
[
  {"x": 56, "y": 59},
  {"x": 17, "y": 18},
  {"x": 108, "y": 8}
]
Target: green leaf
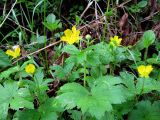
[
  {"x": 74, "y": 76},
  {"x": 105, "y": 55},
  {"x": 71, "y": 49},
  {"x": 146, "y": 85},
  {"x": 8, "y": 72},
  {"x": 23, "y": 99},
  {"x": 59, "y": 71},
  {"x": 70, "y": 94},
  {"x": 75, "y": 114},
  {"x": 125, "y": 108},
  {"x": 49, "y": 116},
  {"x": 53, "y": 26},
  {"x": 8, "y": 91},
  {"x": 4, "y": 59},
  {"x": 27, "y": 114},
  {"x": 134, "y": 9},
  {"x": 148, "y": 38},
  {"x": 47, "y": 110},
  {"x": 153, "y": 61},
  {"x": 42, "y": 39},
  {"x": 108, "y": 116},
  {"x": 81, "y": 57},
  {"x": 25, "y": 93},
  {"x": 142, "y": 4},
  {"x": 7, "y": 94},
  {"x": 51, "y": 18},
  {"x": 39, "y": 80},
  {"x": 68, "y": 68},
  {"x": 128, "y": 80},
  {"x": 139, "y": 46},
  {"x": 103, "y": 94},
  {"x": 39, "y": 86},
  {"x": 98, "y": 71},
  {"x": 51, "y": 23},
  {"x": 113, "y": 94},
  {"x": 135, "y": 55},
  {"x": 109, "y": 12},
  {"x": 38, "y": 77},
  {"x": 109, "y": 80},
  {"x": 19, "y": 102},
  {"x": 93, "y": 59},
  {"x": 146, "y": 111},
  {"x": 3, "y": 111}
]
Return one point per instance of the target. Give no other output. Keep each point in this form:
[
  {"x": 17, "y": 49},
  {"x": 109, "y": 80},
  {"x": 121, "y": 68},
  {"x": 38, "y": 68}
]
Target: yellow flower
[
  {"x": 15, "y": 52},
  {"x": 71, "y": 36},
  {"x": 30, "y": 68},
  {"x": 144, "y": 71},
  {"x": 115, "y": 41}
]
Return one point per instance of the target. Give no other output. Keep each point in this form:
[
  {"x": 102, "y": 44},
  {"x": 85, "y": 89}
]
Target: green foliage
[
  {"x": 88, "y": 80},
  {"x": 41, "y": 39},
  {"x": 47, "y": 111},
  {"x": 71, "y": 49},
  {"x": 145, "y": 110},
  {"x": 138, "y": 7},
  {"x": 14, "y": 98},
  {"x": 128, "y": 81},
  {"x": 51, "y": 23},
  {"x": 27, "y": 114},
  {"x": 7, "y": 73},
  {"x": 96, "y": 101},
  {"x": 147, "y": 85},
  {"x": 39, "y": 85},
  {"x": 4, "y": 59},
  {"x": 147, "y": 39}
]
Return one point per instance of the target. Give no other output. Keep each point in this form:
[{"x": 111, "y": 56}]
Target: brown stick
[{"x": 35, "y": 52}]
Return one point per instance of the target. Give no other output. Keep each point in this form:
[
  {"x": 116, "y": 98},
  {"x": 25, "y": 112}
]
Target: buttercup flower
[
  {"x": 15, "y": 52},
  {"x": 71, "y": 36},
  {"x": 30, "y": 69},
  {"x": 144, "y": 71},
  {"x": 115, "y": 41}
]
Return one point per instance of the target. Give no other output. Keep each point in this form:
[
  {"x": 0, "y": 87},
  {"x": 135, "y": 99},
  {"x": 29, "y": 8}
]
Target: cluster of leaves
[
  {"x": 97, "y": 81},
  {"x": 93, "y": 89},
  {"x": 137, "y": 8}
]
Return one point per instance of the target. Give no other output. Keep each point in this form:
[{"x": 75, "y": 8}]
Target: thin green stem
[
  {"x": 84, "y": 81},
  {"x": 145, "y": 54},
  {"x": 132, "y": 56},
  {"x": 114, "y": 62}
]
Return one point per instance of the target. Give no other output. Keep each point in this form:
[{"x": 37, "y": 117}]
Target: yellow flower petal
[
  {"x": 63, "y": 38},
  {"x": 111, "y": 38},
  {"x": 14, "y": 53},
  {"x": 10, "y": 53},
  {"x": 71, "y": 36},
  {"x": 144, "y": 71},
  {"x": 30, "y": 69},
  {"x": 74, "y": 29},
  {"x": 115, "y": 41},
  {"x": 78, "y": 33},
  {"x": 17, "y": 51},
  {"x": 68, "y": 32},
  {"x": 116, "y": 38}
]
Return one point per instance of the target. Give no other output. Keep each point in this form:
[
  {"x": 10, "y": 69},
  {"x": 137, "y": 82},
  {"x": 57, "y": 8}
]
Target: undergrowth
[{"x": 79, "y": 60}]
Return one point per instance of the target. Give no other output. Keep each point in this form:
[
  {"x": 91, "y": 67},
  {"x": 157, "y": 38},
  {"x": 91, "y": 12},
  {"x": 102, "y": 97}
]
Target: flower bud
[{"x": 88, "y": 36}]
